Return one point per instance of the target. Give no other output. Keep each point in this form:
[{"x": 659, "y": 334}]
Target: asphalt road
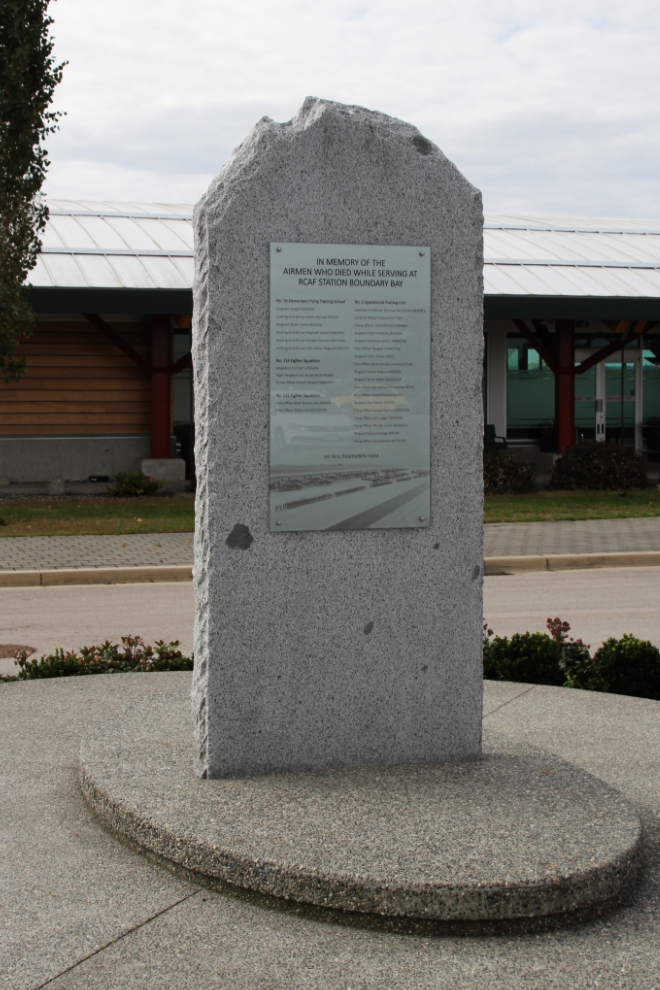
[
  {"x": 45, "y": 618},
  {"x": 598, "y": 604}
]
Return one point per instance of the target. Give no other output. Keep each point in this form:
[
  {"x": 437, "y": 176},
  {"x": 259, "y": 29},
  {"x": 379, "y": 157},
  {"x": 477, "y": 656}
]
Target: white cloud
[{"x": 547, "y": 106}]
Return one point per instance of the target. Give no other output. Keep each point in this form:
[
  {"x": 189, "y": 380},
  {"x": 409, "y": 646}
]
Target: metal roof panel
[
  {"x": 505, "y": 279},
  {"x": 525, "y": 255},
  {"x": 40, "y": 275},
  {"x": 102, "y": 233},
  {"x": 132, "y": 273},
  {"x": 64, "y": 270},
  {"x": 164, "y": 273},
  {"x": 133, "y": 233},
  {"x": 183, "y": 229},
  {"x": 71, "y": 232},
  {"x": 98, "y": 271},
  {"x": 187, "y": 268},
  {"x": 162, "y": 234}
]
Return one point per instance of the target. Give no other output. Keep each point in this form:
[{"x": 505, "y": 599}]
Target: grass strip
[
  {"x": 176, "y": 513},
  {"x": 549, "y": 506},
  {"x": 98, "y": 516}
]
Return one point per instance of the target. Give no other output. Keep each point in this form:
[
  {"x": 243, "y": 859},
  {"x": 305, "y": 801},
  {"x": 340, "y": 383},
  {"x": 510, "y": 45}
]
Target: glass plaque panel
[{"x": 349, "y": 386}]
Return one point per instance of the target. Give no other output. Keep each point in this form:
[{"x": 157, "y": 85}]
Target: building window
[{"x": 530, "y": 392}]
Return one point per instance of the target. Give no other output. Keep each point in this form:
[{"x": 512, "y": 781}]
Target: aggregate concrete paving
[
  {"x": 80, "y": 910},
  {"x": 460, "y": 842}
]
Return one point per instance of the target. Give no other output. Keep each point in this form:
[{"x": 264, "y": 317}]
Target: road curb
[
  {"x": 570, "y": 561},
  {"x": 96, "y": 575},
  {"x": 183, "y": 572}
]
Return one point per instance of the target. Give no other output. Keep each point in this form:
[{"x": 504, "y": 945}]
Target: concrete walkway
[
  {"x": 580, "y": 536},
  {"x": 33, "y": 553},
  {"x": 28, "y": 553},
  {"x": 80, "y": 911}
]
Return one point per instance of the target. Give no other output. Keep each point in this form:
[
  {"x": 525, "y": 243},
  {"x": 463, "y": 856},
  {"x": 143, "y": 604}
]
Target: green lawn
[
  {"x": 162, "y": 514},
  {"x": 176, "y": 513},
  {"x": 547, "y": 505}
]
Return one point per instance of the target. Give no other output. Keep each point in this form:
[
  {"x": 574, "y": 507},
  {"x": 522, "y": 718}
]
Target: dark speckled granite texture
[
  {"x": 516, "y": 835},
  {"x": 285, "y": 677}
]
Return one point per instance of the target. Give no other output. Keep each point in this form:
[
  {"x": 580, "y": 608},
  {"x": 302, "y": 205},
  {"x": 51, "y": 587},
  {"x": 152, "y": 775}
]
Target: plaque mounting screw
[
  {"x": 421, "y": 519},
  {"x": 421, "y": 253},
  {"x": 278, "y": 249},
  {"x": 278, "y": 523}
]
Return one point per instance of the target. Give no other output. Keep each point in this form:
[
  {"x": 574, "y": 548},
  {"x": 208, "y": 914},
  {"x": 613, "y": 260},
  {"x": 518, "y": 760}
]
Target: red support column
[
  {"x": 565, "y": 386},
  {"x": 161, "y": 387}
]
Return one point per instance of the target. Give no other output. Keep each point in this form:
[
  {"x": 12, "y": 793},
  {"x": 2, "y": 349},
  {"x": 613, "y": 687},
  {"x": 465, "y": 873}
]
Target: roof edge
[
  {"x": 500, "y": 307},
  {"x": 169, "y": 302},
  {"x": 176, "y": 302}
]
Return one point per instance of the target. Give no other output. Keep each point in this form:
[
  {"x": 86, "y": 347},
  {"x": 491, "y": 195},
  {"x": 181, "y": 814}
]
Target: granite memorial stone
[{"x": 350, "y": 634}]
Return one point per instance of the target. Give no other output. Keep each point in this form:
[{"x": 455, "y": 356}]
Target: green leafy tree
[{"x": 28, "y": 77}]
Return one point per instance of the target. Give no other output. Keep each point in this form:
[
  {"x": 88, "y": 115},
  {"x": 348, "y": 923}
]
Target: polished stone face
[{"x": 346, "y": 647}]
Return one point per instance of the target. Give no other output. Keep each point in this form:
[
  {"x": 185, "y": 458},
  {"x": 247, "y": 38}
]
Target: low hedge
[
  {"x": 600, "y": 467},
  {"x": 531, "y": 658},
  {"x": 133, "y": 656},
  {"x": 620, "y": 666},
  {"x": 505, "y": 476},
  {"x": 134, "y": 484}
]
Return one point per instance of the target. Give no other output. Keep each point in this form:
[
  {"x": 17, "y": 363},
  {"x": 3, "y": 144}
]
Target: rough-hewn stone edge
[
  {"x": 604, "y": 886},
  {"x": 200, "y": 347}
]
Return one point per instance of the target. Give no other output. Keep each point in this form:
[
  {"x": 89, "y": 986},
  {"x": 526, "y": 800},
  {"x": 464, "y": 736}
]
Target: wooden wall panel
[{"x": 78, "y": 382}]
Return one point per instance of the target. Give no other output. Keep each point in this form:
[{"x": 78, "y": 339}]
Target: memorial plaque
[{"x": 349, "y": 386}]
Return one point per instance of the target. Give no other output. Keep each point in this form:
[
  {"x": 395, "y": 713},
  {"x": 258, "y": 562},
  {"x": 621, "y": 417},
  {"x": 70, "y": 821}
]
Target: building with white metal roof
[
  {"x": 135, "y": 248},
  {"x": 571, "y": 306},
  {"x": 571, "y": 257},
  {"x": 149, "y": 246}
]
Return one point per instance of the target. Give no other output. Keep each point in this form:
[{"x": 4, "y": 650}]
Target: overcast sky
[{"x": 549, "y": 106}]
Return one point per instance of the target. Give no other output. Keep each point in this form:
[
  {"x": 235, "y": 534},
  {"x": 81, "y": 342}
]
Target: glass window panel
[
  {"x": 651, "y": 373},
  {"x": 530, "y": 391},
  {"x": 613, "y": 393},
  {"x": 585, "y": 402}
]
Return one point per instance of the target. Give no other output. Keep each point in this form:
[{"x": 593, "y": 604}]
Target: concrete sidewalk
[
  {"x": 595, "y": 536},
  {"x": 146, "y": 557},
  {"x": 30, "y": 553}
]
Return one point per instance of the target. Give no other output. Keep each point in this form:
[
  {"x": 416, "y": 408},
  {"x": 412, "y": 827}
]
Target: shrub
[
  {"x": 621, "y": 666},
  {"x": 133, "y": 655},
  {"x": 599, "y": 466},
  {"x": 627, "y": 666},
  {"x": 531, "y": 658},
  {"x": 576, "y": 663},
  {"x": 505, "y": 476},
  {"x": 130, "y": 484}
]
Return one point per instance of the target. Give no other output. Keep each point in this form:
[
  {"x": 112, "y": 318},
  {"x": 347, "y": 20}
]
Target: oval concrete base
[{"x": 512, "y": 836}]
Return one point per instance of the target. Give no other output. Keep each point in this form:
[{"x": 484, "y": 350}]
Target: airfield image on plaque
[{"x": 349, "y": 387}]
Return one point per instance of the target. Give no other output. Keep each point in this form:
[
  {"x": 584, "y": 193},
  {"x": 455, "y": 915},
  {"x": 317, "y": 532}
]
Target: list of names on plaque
[{"x": 349, "y": 386}]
